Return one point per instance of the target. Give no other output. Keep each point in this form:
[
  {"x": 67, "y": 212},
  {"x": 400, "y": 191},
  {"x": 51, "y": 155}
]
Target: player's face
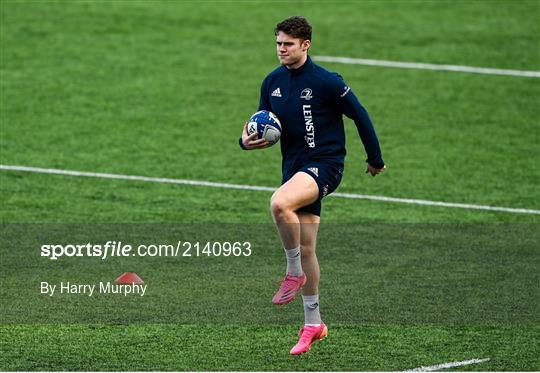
[{"x": 292, "y": 52}]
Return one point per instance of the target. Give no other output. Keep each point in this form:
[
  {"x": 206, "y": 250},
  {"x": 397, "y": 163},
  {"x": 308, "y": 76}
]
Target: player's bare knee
[{"x": 278, "y": 207}]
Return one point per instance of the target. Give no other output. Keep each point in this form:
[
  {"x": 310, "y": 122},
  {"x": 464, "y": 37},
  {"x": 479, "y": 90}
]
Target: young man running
[{"x": 310, "y": 102}]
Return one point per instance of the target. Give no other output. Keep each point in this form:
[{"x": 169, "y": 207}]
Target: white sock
[
  {"x": 294, "y": 263},
  {"x": 312, "y": 316}
]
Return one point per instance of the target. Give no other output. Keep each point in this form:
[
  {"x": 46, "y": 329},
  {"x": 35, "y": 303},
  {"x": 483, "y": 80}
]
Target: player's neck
[{"x": 298, "y": 64}]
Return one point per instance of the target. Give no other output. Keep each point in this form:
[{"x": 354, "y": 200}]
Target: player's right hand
[
  {"x": 374, "y": 171},
  {"x": 250, "y": 142}
]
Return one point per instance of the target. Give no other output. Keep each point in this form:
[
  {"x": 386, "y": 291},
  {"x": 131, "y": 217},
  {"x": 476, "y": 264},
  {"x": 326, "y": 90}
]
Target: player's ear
[{"x": 305, "y": 45}]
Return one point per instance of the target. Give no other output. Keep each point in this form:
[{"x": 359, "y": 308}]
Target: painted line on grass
[
  {"x": 437, "y": 367},
  {"x": 428, "y": 66},
  {"x": 439, "y": 204},
  {"x": 259, "y": 188}
]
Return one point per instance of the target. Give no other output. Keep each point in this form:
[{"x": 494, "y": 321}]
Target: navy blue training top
[{"x": 309, "y": 101}]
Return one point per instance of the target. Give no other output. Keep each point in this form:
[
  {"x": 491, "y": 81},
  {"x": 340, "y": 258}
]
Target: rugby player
[{"x": 310, "y": 102}]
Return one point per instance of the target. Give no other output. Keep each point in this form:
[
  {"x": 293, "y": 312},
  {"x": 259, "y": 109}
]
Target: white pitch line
[
  {"x": 437, "y": 367},
  {"x": 133, "y": 177},
  {"x": 260, "y": 188},
  {"x": 437, "y": 203},
  {"x": 428, "y": 66}
]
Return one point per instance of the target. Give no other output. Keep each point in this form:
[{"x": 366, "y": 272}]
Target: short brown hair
[{"x": 297, "y": 27}]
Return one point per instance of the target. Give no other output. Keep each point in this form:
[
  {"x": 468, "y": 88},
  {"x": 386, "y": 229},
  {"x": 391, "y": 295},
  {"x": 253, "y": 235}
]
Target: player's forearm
[{"x": 354, "y": 110}]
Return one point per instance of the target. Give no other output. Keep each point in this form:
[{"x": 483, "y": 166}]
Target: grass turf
[
  {"x": 238, "y": 348},
  {"x": 154, "y": 88},
  {"x": 143, "y": 90}
]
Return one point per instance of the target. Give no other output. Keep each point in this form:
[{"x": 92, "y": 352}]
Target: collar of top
[{"x": 300, "y": 70}]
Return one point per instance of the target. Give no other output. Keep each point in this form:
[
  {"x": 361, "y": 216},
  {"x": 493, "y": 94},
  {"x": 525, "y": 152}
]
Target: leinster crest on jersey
[{"x": 306, "y": 94}]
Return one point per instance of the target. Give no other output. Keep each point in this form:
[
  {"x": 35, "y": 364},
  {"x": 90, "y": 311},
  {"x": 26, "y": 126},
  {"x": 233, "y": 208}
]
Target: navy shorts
[{"x": 326, "y": 175}]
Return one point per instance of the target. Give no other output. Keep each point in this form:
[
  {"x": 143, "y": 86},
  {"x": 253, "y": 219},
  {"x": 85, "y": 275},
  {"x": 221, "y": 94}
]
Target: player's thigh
[
  {"x": 300, "y": 190},
  {"x": 309, "y": 227}
]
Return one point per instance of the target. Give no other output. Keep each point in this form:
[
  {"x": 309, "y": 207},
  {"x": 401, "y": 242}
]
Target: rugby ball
[{"x": 267, "y": 126}]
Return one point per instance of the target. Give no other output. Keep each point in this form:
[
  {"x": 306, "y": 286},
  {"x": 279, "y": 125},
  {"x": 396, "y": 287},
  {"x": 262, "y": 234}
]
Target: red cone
[{"x": 129, "y": 278}]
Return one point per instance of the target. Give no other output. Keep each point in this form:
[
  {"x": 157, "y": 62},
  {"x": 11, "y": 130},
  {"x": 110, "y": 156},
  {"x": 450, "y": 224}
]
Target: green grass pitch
[{"x": 162, "y": 88}]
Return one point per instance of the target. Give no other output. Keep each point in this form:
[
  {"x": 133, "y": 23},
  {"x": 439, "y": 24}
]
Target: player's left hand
[
  {"x": 374, "y": 171},
  {"x": 250, "y": 142}
]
